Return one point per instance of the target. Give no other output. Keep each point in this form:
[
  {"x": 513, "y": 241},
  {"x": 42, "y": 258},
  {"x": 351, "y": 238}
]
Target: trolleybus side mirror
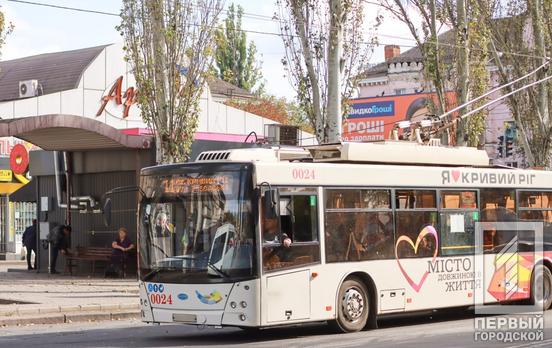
[
  {"x": 106, "y": 210},
  {"x": 269, "y": 201}
]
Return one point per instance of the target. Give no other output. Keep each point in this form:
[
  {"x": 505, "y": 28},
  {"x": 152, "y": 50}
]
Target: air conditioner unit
[
  {"x": 28, "y": 88},
  {"x": 280, "y": 134}
]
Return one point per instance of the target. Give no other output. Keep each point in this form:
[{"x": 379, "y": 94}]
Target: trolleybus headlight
[
  {"x": 242, "y": 317},
  {"x": 233, "y": 305},
  {"x": 243, "y": 304}
]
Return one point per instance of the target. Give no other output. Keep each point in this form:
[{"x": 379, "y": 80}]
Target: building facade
[{"x": 400, "y": 80}]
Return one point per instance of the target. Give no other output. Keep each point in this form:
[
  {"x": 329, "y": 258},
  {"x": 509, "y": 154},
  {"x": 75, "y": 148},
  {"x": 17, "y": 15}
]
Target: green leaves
[
  {"x": 306, "y": 30},
  {"x": 235, "y": 61},
  {"x": 169, "y": 45}
]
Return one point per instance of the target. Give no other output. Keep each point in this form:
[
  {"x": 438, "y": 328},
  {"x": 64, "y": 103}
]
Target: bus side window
[
  {"x": 359, "y": 224},
  {"x": 537, "y": 206},
  {"x": 298, "y": 221},
  {"x": 497, "y": 205},
  {"x": 270, "y": 222},
  {"x": 459, "y": 213},
  {"x": 415, "y": 216}
]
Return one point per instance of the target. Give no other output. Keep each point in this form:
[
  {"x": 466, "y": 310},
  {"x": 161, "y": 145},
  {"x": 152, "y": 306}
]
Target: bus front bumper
[{"x": 202, "y": 318}]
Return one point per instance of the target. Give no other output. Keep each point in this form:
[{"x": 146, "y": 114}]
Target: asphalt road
[{"x": 438, "y": 330}]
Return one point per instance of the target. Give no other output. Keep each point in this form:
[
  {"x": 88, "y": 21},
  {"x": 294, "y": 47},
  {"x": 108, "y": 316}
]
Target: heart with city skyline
[{"x": 426, "y": 231}]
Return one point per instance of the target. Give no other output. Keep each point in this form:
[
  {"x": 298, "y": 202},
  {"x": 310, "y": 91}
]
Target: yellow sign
[{"x": 5, "y": 175}]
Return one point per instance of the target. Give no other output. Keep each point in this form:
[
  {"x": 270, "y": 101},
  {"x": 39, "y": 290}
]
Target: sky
[{"x": 40, "y": 29}]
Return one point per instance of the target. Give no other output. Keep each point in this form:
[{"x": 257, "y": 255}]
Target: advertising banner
[{"x": 372, "y": 119}]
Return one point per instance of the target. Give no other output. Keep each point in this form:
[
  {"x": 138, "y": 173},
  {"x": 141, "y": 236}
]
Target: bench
[{"x": 91, "y": 254}]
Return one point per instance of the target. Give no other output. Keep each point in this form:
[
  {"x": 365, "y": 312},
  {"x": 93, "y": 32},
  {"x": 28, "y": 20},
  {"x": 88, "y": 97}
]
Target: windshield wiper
[
  {"x": 217, "y": 270},
  {"x": 152, "y": 273}
]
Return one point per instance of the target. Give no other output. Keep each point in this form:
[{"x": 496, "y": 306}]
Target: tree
[
  {"x": 170, "y": 47},
  {"x": 5, "y": 29},
  {"x": 275, "y": 109},
  {"x": 521, "y": 42},
  {"x": 471, "y": 66},
  {"x": 236, "y": 62},
  {"x": 325, "y": 52},
  {"x": 426, "y": 34},
  {"x": 458, "y": 64}
]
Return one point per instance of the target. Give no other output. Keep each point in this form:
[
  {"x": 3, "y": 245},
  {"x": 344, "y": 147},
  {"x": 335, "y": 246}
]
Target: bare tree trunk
[
  {"x": 162, "y": 87},
  {"x": 537, "y": 20},
  {"x": 542, "y": 157},
  {"x": 334, "y": 71},
  {"x": 438, "y": 78},
  {"x": 320, "y": 124},
  {"x": 463, "y": 67}
]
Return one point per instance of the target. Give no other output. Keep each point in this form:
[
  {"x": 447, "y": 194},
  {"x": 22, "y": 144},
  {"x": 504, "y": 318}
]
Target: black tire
[
  {"x": 353, "y": 306},
  {"x": 541, "y": 287}
]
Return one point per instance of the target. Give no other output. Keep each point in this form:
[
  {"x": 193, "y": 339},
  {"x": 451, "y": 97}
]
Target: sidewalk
[{"x": 40, "y": 298}]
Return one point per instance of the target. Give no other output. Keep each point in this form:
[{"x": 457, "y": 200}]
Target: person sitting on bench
[{"x": 121, "y": 246}]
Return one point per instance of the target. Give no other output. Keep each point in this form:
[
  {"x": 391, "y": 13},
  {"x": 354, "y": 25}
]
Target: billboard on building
[{"x": 372, "y": 119}]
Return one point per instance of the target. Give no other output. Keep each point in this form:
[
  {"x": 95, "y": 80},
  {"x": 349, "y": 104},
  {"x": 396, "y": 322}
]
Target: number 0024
[
  {"x": 160, "y": 299},
  {"x": 306, "y": 174}
]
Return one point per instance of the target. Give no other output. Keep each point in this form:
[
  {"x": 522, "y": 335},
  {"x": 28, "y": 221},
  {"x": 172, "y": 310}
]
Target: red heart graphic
[
  {"x": 428, "y": 230},
  {"x": 456, "y": 175}
]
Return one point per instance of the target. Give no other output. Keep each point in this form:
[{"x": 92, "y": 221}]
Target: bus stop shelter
[{"x": 92, "y": 158}]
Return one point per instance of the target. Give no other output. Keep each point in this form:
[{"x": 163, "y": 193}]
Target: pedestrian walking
[
  {"x": 29, "y": 242},
  {"x": 59, "y": 242}
]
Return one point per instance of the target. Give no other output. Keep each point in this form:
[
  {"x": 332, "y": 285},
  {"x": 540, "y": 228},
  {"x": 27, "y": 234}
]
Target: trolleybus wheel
[
  {"x": 541, "y": 287},
  {"x": 353, "y": 306}
]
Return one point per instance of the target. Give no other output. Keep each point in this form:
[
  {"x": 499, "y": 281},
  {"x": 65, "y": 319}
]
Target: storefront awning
[{"x": 70, "y": 133}]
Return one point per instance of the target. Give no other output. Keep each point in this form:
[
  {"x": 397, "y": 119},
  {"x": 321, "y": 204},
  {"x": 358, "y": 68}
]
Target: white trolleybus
[{"x": 342, "y": 233}]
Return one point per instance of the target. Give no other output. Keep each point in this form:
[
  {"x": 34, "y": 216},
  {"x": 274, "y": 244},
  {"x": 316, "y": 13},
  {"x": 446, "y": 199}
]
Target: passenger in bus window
[
  {"x": 427, "y": 247},
  {"x": 162, "y": 227},
  {"x": 378, "y": 237},
  {"x": 489, "y": 239},
  {"x": 371, "y": 234},
  {"x": 411, "y": 224},
  {"x": 338, "y": 229},
  {"x": 270, "y": 232}
]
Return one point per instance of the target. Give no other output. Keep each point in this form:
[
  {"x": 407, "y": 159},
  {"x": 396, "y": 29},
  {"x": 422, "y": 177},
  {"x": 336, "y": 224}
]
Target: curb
[
  {"x": 68, "y": 318},
  {"x": 18, "y": 312}
]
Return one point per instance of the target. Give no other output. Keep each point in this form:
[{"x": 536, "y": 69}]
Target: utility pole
[
  {"x": 463, "y": 67},
  {"x": 335, "y": 48}
]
